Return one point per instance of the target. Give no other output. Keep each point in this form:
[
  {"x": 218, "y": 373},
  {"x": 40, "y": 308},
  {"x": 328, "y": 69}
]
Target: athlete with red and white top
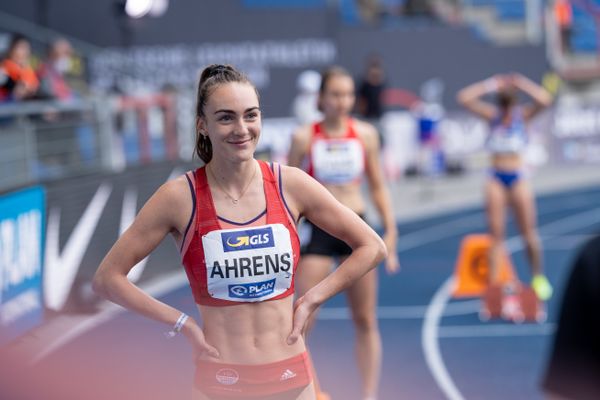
[
  {"x": 235, "y": 222},
  {"x": 339, "y": 152}
]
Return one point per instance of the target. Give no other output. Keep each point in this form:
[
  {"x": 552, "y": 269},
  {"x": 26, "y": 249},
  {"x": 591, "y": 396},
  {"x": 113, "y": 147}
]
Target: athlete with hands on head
[{"x": 506, "y": 184}]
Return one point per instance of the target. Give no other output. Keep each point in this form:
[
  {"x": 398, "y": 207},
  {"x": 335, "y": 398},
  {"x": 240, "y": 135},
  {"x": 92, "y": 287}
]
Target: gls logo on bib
[{"x": 248, "y": 239}]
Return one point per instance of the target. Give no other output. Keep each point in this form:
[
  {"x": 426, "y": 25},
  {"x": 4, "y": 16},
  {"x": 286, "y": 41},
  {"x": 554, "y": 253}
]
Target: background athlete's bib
[
  {"x": 503, "y": 140},
  {"x": 249, "y": 264},
  {"x": 337, "y": 160}
]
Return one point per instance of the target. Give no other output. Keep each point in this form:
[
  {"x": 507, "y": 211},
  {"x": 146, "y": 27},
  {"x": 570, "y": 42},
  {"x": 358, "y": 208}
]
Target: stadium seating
[
  {"x": 285, "y": 3},
  {"x": 584, "y": 38},
  {"x": 506, "y": 10}
]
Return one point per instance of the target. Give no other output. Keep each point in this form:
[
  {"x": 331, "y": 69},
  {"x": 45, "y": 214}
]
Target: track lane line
[{"x": 429, "y": 333}]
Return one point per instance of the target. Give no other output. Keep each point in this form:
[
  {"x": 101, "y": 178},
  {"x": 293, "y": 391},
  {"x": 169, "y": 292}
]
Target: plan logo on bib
[
  {"x": 252, "y": 290},
  {"x": 247, "y": 239}
]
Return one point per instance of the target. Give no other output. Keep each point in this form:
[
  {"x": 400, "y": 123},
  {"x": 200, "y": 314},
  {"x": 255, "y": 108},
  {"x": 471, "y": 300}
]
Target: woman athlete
[
  {"x": 339, "y": 152},
  {"x": 234, "y": 221},
  {"x": 506, "y": 184}
]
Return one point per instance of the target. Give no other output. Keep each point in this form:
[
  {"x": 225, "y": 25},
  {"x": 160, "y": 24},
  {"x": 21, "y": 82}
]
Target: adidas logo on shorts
[{"x": 287, "y": 374}]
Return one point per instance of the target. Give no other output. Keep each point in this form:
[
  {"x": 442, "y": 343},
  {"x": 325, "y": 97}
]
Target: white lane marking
[
  {"x": 401, "y": 312},
  {"x": 98, "y": 319},
  {"x": 60, "y": 269},
  {"x": 128, "y": 213},
  {"x": 572, "y": 222},
  {"x": 565, "y": 242},
  {"x": 157, "y": 287},
  {"x": 437, "y": 232},
  {"x": 498, "y": 330},
  {"x": 431, "y": 323},
  {"x": 469, "y": 222},
  {"x": 565, "y": 224},
  {"x": 164, "y": 284},
  {"x": 431, "y": 345}
]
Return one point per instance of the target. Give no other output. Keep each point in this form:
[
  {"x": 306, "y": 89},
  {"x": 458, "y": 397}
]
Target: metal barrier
[
  {"x": 153, "y": 126},
  {"x": 41, "y": 141}
]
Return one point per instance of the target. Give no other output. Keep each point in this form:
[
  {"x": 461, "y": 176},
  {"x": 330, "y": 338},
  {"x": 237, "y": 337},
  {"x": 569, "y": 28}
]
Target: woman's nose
[{"x": 241, "y": 127}]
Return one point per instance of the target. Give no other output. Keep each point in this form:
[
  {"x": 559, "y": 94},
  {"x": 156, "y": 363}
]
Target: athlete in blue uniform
[{"x": 506, "y": 143}]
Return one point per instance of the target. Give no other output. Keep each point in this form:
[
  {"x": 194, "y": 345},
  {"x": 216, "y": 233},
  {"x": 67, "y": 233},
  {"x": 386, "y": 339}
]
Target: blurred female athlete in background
[{"x": 339, "y": 152}]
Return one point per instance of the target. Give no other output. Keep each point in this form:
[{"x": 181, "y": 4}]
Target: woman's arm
[
  {"x": 317, "y": 204},
  {"x": 299, "y": 146},
  {"x": 380, "y": 194},
  {"x": 470, "y": 97},
  {"x": 161, "y": 215},
  {"x": 540, "y": 96}
]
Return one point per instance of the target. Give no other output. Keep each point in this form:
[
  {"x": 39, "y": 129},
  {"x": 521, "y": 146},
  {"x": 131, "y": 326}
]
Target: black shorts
[{"x": 323, "y": 244}]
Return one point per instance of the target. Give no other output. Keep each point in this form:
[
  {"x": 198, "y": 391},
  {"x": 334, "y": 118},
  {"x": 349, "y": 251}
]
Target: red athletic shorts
[{"x": 247, "y": 381}]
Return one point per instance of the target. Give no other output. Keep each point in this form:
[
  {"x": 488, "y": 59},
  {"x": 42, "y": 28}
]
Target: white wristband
[{"x": 178, "y": 326}]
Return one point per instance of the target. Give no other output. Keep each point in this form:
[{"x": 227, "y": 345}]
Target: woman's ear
[{"x": 200, "y": 126}]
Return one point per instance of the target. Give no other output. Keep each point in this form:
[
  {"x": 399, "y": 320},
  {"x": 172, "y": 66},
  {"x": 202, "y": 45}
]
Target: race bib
[
  {"x": 337, "y": 160},
  {"x": 506, "y": 141},
  {"x": 249, "y": 264}
]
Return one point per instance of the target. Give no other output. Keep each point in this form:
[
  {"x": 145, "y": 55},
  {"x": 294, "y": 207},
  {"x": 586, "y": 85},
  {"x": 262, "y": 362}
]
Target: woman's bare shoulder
[
  {"x": 303, "y": 132},
  {"x": 175, "y": 195},
  {"x": 365, "y": 131}
]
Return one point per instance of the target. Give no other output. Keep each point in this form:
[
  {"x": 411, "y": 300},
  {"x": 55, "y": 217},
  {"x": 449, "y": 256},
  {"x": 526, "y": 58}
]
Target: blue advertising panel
[{"x": 21, "y": 249}]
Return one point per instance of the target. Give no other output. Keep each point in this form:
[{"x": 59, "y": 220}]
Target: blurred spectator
[
  {"x": 391, "y": 9},
  {"x": 369, "y": 103},
  {"x": 574, "y": 365},
  {"x": 563, "y": 13},
  {"x": 428, "y": 114},
  {"x": 69, "y": 128},
  {"x": 418, "y": 8},
  {"x": 369, "y": 10},
  {"x": 305, "y": 108},
  {"x": 53, "y": 84},
  {"x": 17, "y": 79}
]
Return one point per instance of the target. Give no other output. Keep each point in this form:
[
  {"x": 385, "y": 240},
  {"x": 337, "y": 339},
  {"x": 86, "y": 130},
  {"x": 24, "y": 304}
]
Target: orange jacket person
[{"x": 17, "y": 79}]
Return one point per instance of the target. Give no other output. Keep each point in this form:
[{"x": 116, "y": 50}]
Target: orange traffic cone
[{"x": 472, "y": 269}]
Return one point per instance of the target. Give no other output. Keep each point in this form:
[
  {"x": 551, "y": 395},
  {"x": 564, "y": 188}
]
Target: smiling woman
[{"x": 235, "y": 222}]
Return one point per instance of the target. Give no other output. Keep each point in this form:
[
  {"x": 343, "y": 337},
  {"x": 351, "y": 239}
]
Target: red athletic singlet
[
  {"x": 251, "y": 263},
  {"x": 338, "y": 160}
]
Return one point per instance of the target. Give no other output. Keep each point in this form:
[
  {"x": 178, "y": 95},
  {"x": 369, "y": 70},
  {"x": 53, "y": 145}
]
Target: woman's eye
[
  {"x": 252, "y": 115},
  {"x": 225, "y": 118}
]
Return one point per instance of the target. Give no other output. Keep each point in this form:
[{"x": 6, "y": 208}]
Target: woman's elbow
[
  {"x": 100, "y": 285},
  {"x": 546, "y": 101},
  {"x": 381, "y": 251},
  {"x": 462, "y": 99}
]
